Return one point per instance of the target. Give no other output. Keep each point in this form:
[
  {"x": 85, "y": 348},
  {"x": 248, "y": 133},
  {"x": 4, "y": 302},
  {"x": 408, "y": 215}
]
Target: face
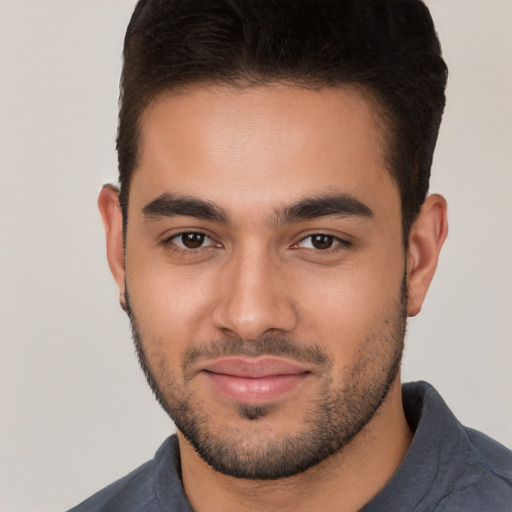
[{"x": 265, "y": 271}]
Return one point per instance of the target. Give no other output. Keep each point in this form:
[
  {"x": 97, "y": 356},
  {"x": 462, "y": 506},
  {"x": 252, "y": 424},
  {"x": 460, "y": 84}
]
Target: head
[
  {"x": 271, "y": 233},
  {"x": 388, "y": 50}
]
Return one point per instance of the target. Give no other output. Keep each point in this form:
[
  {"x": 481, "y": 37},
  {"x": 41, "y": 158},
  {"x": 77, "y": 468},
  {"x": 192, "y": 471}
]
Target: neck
[{"x": 344, "y": 482}]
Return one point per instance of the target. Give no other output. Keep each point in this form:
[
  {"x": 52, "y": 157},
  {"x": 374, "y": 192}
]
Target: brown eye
[
  {"x": 192, "y": 240},
  {"x": 322, "y": 242}
]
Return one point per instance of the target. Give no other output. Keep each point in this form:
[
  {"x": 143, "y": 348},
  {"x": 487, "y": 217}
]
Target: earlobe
[
  {"x": 110, "y": 210},
  {"x": 426, "y": 239}
]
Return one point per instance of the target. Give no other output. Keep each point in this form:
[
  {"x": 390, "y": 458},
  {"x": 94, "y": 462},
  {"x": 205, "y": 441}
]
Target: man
[{"x": 271, "y": 234}]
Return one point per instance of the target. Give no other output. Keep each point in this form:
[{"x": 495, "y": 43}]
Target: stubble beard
[{"x": 335, "y": 417}]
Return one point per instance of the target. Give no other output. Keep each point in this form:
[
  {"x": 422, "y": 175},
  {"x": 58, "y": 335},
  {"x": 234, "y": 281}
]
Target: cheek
[
  {"x": 170, "y": 304},
  {"x": 345, "y": 308}
]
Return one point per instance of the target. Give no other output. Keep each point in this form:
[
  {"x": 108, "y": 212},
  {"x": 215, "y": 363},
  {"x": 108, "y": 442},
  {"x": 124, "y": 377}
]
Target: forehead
[{"x": 266, "y": 144}]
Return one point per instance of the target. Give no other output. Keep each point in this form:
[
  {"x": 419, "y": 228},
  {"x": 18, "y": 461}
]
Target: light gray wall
[{"x": 75, "y": 410}]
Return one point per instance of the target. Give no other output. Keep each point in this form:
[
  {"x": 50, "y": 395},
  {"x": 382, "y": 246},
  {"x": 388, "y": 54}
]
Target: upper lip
[{"x": 253, "y": 368}]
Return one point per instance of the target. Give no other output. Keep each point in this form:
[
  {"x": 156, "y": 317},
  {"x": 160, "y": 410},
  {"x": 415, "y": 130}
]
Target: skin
[{"x": 252, "y": 152}]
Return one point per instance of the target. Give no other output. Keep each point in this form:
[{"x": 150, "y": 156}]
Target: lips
[{"x": 254, "y": 381}]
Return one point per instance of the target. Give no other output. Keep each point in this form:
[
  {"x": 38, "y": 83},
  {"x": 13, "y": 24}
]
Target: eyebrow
[
  {"x": 168, "y": 205},
  {"x": 339, "y": 205}
]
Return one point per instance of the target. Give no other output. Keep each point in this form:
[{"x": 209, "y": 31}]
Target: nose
[{"x": 254, "y": 299}]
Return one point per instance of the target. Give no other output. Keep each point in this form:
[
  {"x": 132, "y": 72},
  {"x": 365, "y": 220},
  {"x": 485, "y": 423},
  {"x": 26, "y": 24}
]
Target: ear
[
  {"x": 110, "y": 210},
  {"x": 426, "y": 238}
]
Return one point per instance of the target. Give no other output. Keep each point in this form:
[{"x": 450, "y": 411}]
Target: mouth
[{"x": 254, "y": 381}]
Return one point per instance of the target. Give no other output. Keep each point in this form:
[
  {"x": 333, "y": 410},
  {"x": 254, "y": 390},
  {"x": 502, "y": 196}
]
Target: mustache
[{"x": 277, "y": 346}]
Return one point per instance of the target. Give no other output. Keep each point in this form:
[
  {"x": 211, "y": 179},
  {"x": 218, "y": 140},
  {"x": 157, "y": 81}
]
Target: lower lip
[{"x": 255, "y": 390}]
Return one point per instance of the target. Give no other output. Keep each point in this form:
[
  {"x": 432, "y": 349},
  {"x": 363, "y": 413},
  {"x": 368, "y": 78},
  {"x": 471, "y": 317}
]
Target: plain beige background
[{"x": 75, "y": 410}]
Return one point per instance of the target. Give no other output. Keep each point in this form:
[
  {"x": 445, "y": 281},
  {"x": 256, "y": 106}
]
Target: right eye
[{"x": 191, "y": 240}]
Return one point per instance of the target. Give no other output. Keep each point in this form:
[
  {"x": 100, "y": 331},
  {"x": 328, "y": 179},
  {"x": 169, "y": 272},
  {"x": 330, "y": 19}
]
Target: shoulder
[
  {"x": 486, "y": 483},
  {"x": 153, "y": 487},
  {"x": 134, "y": 492},
  {"x": 492, "y": 455},
  {"x": 449, "y": 467}
]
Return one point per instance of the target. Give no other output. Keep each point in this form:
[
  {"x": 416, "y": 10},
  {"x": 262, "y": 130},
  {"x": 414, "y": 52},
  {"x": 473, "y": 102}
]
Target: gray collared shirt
[{"x": 448, "y": 468}]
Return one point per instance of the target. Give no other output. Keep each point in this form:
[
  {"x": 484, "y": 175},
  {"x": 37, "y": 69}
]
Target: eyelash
[
  {"x": 340, "y": 244},
  {"x": 171, "y": 244}
]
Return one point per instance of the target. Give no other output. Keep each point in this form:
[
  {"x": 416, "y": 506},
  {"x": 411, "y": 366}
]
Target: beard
[{"x": 336, "y": 413}]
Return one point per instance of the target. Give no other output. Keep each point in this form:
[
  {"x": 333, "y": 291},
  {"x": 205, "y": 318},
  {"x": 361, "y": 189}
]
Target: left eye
[
  {"x": 319, "y": 242},
  {"x": 192, "y": 240}
]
